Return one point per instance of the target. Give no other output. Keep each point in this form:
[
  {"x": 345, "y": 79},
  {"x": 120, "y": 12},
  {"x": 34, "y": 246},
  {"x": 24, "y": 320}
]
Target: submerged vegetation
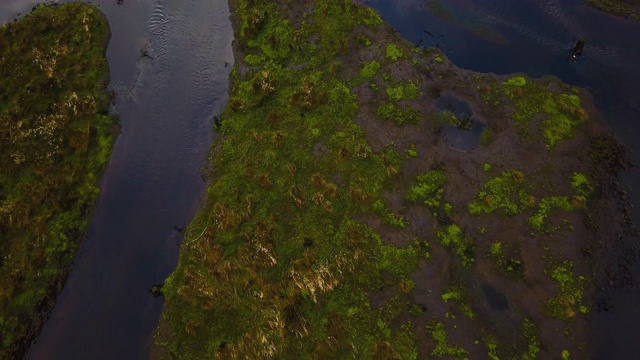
[
  {"x": 55, "y": 139},
  {"x": 625, "y": 8},
  {"x": 337, "y": 224}
]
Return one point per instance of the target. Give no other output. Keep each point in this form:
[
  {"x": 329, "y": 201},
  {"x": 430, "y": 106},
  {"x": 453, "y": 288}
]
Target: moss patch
[{"x": 557, "y": 115}]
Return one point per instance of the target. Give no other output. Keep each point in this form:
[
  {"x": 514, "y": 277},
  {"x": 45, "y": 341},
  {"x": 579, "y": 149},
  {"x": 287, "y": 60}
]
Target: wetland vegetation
[
  {"x": 55, "y": 139},
  {"x": 339, "y": 222}
]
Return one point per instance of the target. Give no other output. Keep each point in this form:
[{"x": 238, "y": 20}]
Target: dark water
[
  {"x": 534, "y": 37},
  {"x": 166, "y": 103},
  {"x": 496, "y": 300},
  {"x": 466, "y": 137}
]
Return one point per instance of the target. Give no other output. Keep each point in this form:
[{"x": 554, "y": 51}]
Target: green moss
[
  {"x": 394, "y": 52},
  {"x": 501, "y": 193},
  {"x": 561, "y": 113},
  {"x": 442, "y": 118},
  {"x": 442, "y": 348},
  {"x": 565, "y": 355},
  {"x": 492, "y": 349},
  {"x": 428, "y": 188},
  {"x": 370, "y": 69},
  {"x": 490, "y": 91},
  {"x": 363, "y": 40},
  {"x": 412, "y": 151},
  {"x": 399, "y": 115},
  {"x": 518, "y": 81},
  {"x": 547, "y": 204},
  {"x": 403, "y": 91},
  {"x": 388, "y": 216},
  {"x": 567, "y": 303},
  {"x": 581, "y": 184},
  {"x": 438, "y": 59},
  {"x": 55, "y": 140},
  {"x": 453, "y": 237},
  {"x": 564, "y": 113},
  {"x": 496, "y": 249},
  {"x": 529, "y": 333},
  {"x": 459, "y": 296},
  {"x": 508, "y": 262}
]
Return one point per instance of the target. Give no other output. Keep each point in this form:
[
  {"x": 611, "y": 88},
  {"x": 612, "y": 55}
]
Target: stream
[{"x": 166, "y": 101}]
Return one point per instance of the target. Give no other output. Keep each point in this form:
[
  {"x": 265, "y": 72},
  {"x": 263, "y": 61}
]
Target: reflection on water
[
  {"x": 537, "y": 36},
  {"x": 166, "y": 101}
]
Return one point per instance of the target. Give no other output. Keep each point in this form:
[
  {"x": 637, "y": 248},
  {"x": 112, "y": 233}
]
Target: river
[
  {"x": 166, "y": 101},
  {"x": 534, "y": 37}
]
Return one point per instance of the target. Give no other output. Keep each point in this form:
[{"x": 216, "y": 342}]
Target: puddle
[
  {"x": 496, "y": 300},
  {"x": 467, "y": 135}
]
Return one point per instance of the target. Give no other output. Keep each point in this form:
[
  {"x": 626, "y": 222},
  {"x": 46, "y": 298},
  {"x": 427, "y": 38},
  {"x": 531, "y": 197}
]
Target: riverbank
[
  {"x": 57, "y": 136},
  {"x": 341, "y": 222}
]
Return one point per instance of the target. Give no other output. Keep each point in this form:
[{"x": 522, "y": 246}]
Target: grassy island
[
  {"x": 340, "y": 223},
  {"x": 55, "y": 139}
]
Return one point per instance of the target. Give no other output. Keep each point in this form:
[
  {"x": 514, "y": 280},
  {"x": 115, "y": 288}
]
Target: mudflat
[{"x": 342, "y": 219}]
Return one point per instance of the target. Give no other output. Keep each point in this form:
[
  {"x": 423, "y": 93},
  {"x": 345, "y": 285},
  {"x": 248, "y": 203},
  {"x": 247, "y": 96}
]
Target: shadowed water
[
  {"x": 467, "y": 136},
  {"x": 166, "y": 101}
]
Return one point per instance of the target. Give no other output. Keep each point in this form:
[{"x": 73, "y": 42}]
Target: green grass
[
  {"x": 443, "y": 348},
  {"x": 504, "y": 193},
  {"x": 370, "y": 69},
  {"x": 529, "y": 333},
  {"x": 403, "y": 91},
  {"x": 55, "y": 139},
  {"x": 428, "y": 188},
  {"x": 412, "y": 151},
  {"x": 459, "y": 296},
  {"x": 547, "y": 204},
  {"x": 567, "y": 303},
  {"x": 581, "y": 184},
  {"x": 453, "y": 237},
  {"x": 399, "y": 115},
  {"x": 560, "y": 113},
  {"x": 394, "y": 52}
]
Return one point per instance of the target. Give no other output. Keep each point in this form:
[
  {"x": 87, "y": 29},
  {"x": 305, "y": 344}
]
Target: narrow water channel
[
  {"x": 534, "y": 37},
  {"x": 167, "y": 62}
]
